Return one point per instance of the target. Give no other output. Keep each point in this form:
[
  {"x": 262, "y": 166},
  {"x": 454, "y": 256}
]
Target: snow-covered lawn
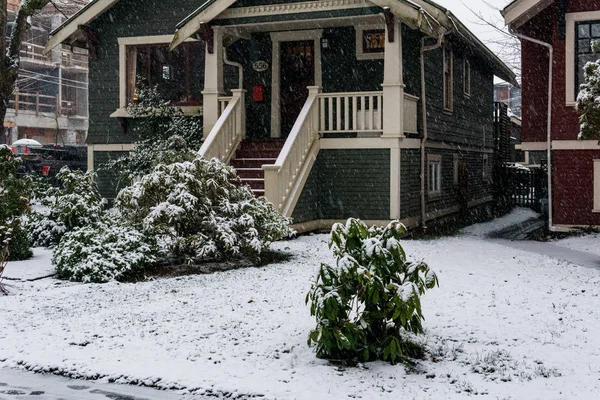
[{"x": 504, "y": 324}]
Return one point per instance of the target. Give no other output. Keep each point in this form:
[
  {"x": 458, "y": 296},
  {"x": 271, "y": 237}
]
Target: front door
[{"x": 297, "y": 73}]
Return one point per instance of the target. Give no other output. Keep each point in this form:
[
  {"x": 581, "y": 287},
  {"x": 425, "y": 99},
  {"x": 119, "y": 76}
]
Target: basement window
[
  {"x": 177, "y": 74},
  {"x": 434, "y": 175},
  {"x": 596, "y": 186}
]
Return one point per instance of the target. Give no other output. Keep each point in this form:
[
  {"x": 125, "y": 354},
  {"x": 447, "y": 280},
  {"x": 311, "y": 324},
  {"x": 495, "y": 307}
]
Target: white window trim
[
  {"x": 451, "y": 95},
  {"x": 485, "y": 167},
  {"x": 434, "y": 158},
  {"x": 572, "y": 19},
  {"x": 360, "y": 55},
  {"x": 596, "y": 186},
  {"x": 455, "y": 168},
  {"x": 121, "y": 112},
  {"x": 467, "y": 77}
]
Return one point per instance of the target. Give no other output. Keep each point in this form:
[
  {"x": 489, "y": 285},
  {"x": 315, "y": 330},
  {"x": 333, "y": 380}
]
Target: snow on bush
[
  {"x": 164, "y": 135},
  {"x": 103, "y": 251},
  {"x": 369, "y": 302},
  {"x": 77, "y": 203},
  {"x": 200, "y": 211},
  {"x": 14, "y": 203}
]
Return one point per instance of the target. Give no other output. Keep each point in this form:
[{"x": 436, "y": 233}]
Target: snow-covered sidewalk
[{"x": 505, "y": 324}]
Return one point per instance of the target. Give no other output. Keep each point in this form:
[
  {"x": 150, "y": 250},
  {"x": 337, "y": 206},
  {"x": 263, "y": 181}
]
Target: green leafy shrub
[
  {"x": 77, "y": 203},
  {"x": 201, "y": 212},
  {"x": 14, "y": 203},
  {"x": 103, "y": 251},
  {"x": 367, "y": 303},
  {"x": 164, "y": 136}
]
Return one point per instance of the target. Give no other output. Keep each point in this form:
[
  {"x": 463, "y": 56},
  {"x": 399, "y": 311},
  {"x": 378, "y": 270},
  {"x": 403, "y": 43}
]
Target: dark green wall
[
  {"x": 108, "y": 184},
  {"x": 410, "y": 183},
  {"x": 471, "y": 121},
  {"x": 347, "y": 183},
  {"x": 126, "y": 18}
]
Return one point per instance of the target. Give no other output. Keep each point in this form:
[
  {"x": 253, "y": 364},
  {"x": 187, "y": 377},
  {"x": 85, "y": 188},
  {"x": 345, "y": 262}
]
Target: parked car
[{"x": 47, "y": 161}]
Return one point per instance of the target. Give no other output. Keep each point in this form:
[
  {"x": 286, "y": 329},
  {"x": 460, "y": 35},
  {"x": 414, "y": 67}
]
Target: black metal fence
[{"x": 527, "y": 187}]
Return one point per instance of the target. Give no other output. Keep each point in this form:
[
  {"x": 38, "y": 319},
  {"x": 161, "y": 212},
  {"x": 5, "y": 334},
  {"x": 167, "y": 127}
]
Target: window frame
[
  {"x": 485, "y": 167},
  {"x": 596, "y": 208},
  {"x": 571, "y": 60},
  {"x": 448, "y": 78},
  {"x": 359, "y": 32},
  {"x": 436, "y": 191},
  {"x": 124, "y": 43},
  {"x": 467, "y": 77},
  {"x": 578, "y": 67},
  {"x": 455, "y": 168}
]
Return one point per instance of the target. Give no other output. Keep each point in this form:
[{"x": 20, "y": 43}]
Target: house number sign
[{"x": 260, "y": 66}]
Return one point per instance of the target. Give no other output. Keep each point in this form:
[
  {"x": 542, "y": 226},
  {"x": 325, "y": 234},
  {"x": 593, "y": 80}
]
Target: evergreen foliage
[
  {"x": 367, "y": 304},
  {"x": 200, "y": 212},
  {"x": 103, "y": 251},
  {"x": 75, "y": 204},
  {"x": 14, "y": 203},
  {"x": 164, "y": 135}
]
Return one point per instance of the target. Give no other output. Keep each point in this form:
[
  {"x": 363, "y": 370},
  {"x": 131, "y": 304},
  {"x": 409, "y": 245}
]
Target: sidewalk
[
  {"x": 548, "y": 249},
  {"x": 26, "y": 385}
]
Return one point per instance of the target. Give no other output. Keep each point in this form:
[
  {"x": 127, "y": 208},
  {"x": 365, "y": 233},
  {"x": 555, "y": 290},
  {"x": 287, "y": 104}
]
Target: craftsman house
[
  {"x": 330, "y": 108},
  {"x": 555, "y": 38}
]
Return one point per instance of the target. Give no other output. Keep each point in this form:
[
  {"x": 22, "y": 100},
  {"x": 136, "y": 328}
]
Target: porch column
[
  {"x": 393, "y": 82},
  {"x": 213, "y": 80}
]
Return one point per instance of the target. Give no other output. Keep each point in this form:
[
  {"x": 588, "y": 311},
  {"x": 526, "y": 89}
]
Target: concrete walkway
[
  {"x": 548, "y": 249},
  {"x": 16, "y": 384}
]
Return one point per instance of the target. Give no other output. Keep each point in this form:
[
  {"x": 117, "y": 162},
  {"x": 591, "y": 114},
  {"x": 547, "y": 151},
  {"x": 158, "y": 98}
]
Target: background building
[{"x": 50, "y": 102}]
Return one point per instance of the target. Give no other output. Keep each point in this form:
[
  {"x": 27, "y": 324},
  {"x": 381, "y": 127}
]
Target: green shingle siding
[
  {"x": 410, "y": 183},
  {"x": 108, "y": 183},
  {"x": 347, "y": 183}
]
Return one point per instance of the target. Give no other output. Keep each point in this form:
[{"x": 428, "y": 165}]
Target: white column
[
  {"x": 393, "y": 85},
  {"x": 213, "y": 82}
]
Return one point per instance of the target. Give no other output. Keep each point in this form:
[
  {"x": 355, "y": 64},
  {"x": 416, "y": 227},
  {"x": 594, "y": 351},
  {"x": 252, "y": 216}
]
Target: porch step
[
  {"x": 249, "y": 158},
  {"x": 251, "y": 163}
]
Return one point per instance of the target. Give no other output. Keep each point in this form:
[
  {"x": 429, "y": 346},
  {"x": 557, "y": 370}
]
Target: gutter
[
  {"x": 239, "y": 66},
  {"x": 424, "y": 117},
  {"x": 551, "y": 227}
]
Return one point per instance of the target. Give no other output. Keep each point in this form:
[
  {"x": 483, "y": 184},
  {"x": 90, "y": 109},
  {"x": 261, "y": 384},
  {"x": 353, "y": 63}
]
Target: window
[
  {"x": 370, "y": 42},
  {"x": 434, "y": 169},
  {"x": 586, "y": 34},
  {"x": 177, "y": 74},
  {"x": 486, "y": 166},
  {"x": 455, "y": 169},
  {"x": 467, "y": 77},
  {"x": 596, "y": 186},
  {"x": 448, "y": 83}
]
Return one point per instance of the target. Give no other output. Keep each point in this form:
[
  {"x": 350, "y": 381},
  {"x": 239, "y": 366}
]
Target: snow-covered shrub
[
  {"x": 369, "y": 302},
  {"x": 14, "y": 203},
  {"x": 588, "y": 100},
  {"x": 200, "y": 211},
  {"x": 103, "y": 251},
  {"x": 77, "y": 203},
  {"x": 164, "y": 135}
]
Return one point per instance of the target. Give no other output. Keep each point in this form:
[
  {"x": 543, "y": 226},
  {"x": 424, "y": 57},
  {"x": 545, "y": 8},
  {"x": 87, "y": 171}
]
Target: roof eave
[{"x": 519, "y": 12}]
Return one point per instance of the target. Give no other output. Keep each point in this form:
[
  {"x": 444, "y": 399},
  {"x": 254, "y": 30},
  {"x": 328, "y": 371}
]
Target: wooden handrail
[
  {"x": 228, "y": 132},
  {"x": 281, "y": 178}
]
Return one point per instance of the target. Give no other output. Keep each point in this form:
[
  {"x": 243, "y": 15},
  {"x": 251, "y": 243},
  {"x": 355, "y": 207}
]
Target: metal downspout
[
  {"x": 235, "y": 64},
  {"x": 424, "y": 117},
  {"x": 549, "y": 126}
]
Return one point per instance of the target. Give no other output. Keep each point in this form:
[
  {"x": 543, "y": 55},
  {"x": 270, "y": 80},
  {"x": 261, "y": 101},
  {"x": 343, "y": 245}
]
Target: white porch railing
[
  {"x": 351, "y": 112},
  {"x": 223, "y": 103},
  {"x": 228, "y": 132},
  {"x": 281, "y": 178}
]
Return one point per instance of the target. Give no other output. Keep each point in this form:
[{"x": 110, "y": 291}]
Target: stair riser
[
  {"x": 255, "y": 184},
  {"x": 257, "y": 154},
  {"x": 269, "y": 145},
  {"x": 251, "y": 174},
  {"x": 250, "y": 163}
]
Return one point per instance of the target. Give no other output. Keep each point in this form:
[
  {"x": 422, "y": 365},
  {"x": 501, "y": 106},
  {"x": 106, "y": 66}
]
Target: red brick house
[{"x": 555, "y": 37}]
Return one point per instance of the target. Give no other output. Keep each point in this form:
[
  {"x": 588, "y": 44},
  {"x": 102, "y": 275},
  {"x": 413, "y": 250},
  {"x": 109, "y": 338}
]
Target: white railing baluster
[
  {"x": 354, "y": 113},
  {"x": 230, "y": 129}
]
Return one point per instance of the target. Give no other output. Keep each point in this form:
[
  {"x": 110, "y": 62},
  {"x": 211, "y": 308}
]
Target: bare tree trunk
[{"x": 10, "y": 61}]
